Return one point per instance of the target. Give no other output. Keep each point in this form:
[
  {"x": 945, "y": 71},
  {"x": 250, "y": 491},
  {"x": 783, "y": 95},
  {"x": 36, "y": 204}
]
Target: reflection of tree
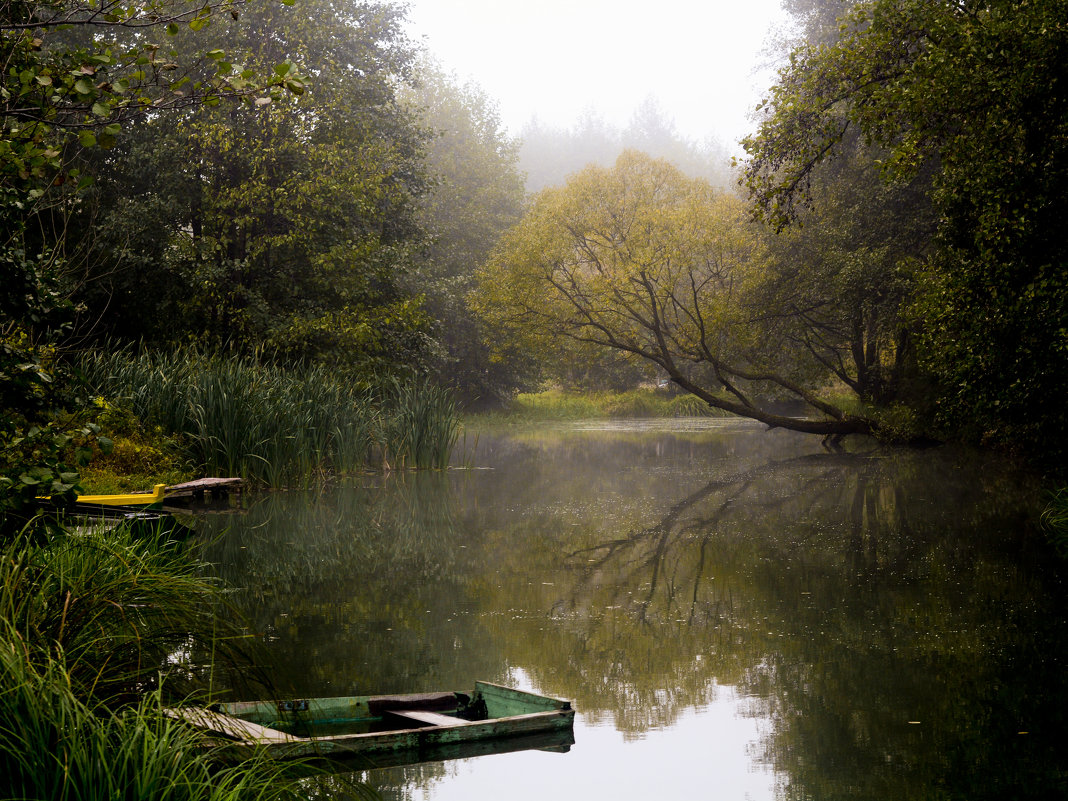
[
  {"x": 669, "y": 606},
  {"x": 354, "y": 589},
  {"x": 846, "y": 595}
]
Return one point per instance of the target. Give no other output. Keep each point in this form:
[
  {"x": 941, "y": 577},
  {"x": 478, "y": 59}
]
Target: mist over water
[{"x": 735, "y": 613}]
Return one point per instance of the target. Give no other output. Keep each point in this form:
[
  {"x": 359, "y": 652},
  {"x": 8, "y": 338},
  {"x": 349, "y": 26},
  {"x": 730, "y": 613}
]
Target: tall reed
[
  {"x": 278, "y": 426},
  {"x": 55, "y": 745},
  {"x": 420, "y": 425}
]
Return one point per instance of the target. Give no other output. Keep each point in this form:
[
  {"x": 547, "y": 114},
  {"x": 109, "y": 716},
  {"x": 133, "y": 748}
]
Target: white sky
[{"x": 555, "y": 59}]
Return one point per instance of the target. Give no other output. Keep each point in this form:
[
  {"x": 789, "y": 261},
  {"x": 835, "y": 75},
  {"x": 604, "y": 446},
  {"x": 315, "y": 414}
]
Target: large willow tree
[{"x": 642, "y": 260}]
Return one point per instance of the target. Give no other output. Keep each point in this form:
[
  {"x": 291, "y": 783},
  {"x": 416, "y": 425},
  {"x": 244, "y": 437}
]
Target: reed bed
[
  {"x": 113, "y": 607},
  {"x": 280, "y": 427},
  {"x": 54, "y": 745},
  {"x": 421, "y": 427}
]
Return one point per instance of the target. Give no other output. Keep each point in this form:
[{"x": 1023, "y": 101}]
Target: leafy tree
[
  {"x": 291, "y": 222},
  {"x": 74, "y": 73},
  {"x": 642, "y": 260},
  {"x": 975, "y": 94},
  {"x": 838, "y": 283},
  {"x": 476, "y": 194}
]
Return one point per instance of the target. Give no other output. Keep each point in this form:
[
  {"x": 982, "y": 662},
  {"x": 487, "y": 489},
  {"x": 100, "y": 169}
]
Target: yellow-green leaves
[{"x": 637, "y": 257}]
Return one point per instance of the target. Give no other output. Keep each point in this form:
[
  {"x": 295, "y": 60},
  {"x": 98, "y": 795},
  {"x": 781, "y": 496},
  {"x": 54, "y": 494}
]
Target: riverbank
[{"x": 556, "y": 404}]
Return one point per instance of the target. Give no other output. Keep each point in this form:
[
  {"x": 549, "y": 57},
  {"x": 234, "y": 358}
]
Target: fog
[{"x": 556, "y": 62}]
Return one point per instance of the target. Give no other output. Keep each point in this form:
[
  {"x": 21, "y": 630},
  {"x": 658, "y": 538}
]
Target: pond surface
[{"x": 735, "y": 613}]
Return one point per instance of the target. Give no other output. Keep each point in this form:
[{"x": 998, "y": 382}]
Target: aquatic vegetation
[
  {"x": 112, "y": 606},
  {"x": 239, "y": 417},
  {"x": 420, "y": 427}
]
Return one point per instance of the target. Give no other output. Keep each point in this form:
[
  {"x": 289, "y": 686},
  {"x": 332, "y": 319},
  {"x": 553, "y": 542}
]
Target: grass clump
[
  {"x": 57, "y": 746},
  {"x": 276, "y": 426},
  {"x": 556, "y": 404},
  {"x": 111, "y": 606}
]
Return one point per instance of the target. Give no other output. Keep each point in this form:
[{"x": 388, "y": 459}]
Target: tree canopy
[
  {"x": 282, "y": 227},
  {"x": 75, "y": 75},
  {"x": 645, "y": 261},
  {"x": 475, "y": 193},
  {"x": 975, "y": 95}
]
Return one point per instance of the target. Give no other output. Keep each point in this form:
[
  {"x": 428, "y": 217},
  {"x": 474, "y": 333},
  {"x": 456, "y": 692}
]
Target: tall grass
[
  {"x": 57, "y": 746},
  {"x": 276, "y": 426},
  {"x": 1055, "y": 520},
  {"x": 421, "y": 425},
  {"x": 87, "y": 623},
  {"x": 112, "y": 606}
]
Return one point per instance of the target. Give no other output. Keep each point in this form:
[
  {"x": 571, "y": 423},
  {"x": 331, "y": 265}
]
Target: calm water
[{"x": 735, "y": 613}]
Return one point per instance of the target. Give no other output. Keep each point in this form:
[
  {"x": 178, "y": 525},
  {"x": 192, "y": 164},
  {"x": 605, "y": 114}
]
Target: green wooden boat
[{"x": 390, "y": 730}]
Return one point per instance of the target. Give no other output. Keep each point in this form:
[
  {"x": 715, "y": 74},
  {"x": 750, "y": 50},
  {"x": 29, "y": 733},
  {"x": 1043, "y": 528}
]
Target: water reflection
[{"x": 876, "y": 625}]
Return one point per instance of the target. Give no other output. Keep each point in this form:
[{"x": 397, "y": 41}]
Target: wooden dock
[{"x": 215, "y": 488}]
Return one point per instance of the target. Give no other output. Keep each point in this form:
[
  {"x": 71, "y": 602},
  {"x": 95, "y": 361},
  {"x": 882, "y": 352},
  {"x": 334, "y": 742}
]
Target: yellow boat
[{"x": 148, "y": 500}]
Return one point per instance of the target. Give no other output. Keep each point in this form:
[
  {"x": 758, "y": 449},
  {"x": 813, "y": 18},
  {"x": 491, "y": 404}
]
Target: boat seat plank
[
  {"x": 424, "y": 702},
  {"x": 429, "y": 718},
  {"x": 233, "y": 728}
]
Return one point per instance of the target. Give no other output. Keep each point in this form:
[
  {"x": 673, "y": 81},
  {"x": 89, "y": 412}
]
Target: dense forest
[{"x": 300, "y": 186}]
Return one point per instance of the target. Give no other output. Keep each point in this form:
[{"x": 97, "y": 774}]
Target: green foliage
[
  {"x": 560, "y": 405},
  {"x": 284, "y": 227},
  {"x": 73, "y": 75},
  {"x": 582, "y": 274},
  {"x": 975, "y": 96},
  {"x": 642, "y": 261},
  {"x": 476, "y": 193},
  {"x": 72, "y": 70},
  {"x": 55, "y": 745},
  {"x": 140, "y": 456},
  {"x": 42, "y": 446},
  {"x": 420, "y": 425},
  {"x": 110, "y": 607},
  {"x": 41, "y": 463},
  {"x": 88, "y": 625},
  {"x": 838, "y": 283}
]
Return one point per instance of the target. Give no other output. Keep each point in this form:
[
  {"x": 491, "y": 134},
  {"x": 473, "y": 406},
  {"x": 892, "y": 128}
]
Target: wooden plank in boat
[
  {"x": 429, "y": 718},
  {"x": 233, "y": 728}
]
